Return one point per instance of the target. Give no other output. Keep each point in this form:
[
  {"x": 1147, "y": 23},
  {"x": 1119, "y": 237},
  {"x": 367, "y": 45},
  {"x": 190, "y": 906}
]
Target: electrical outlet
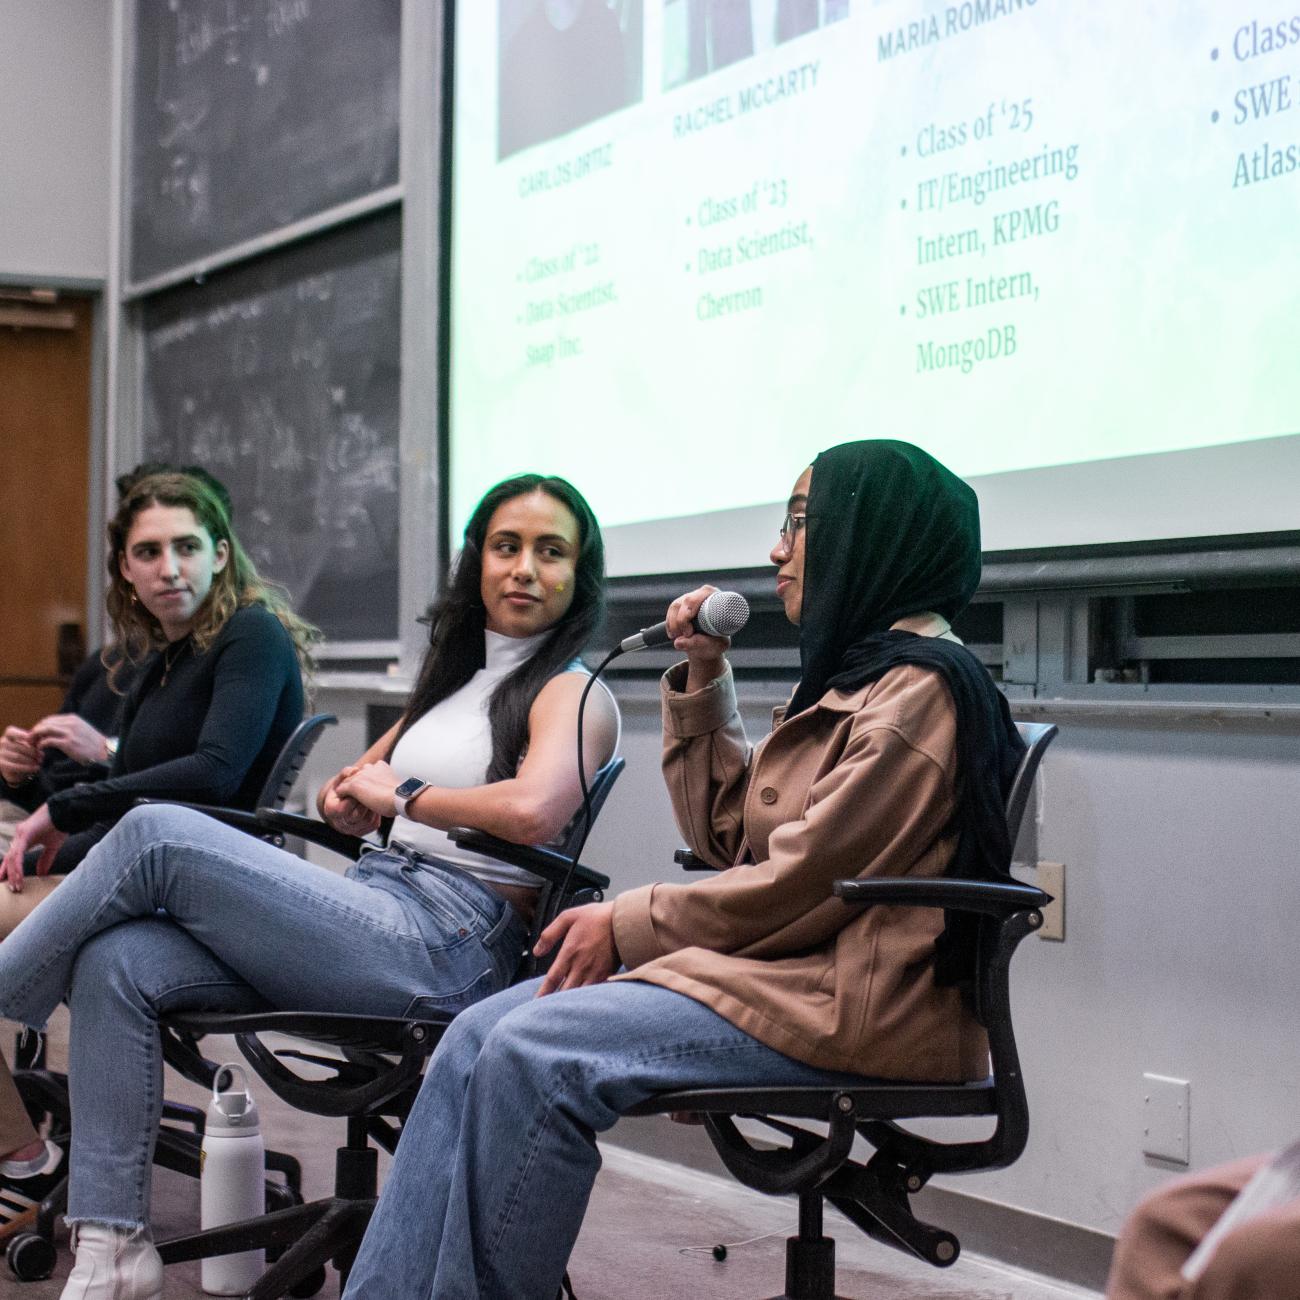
[
  {"x": 1050, "y": 878},
  {"x": 1166, "y": 1115}
]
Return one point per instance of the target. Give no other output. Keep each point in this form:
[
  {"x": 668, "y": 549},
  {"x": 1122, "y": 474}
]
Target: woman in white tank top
[
  {"x": 488, "y": 738},
  {"x": 172, "y": 911}
]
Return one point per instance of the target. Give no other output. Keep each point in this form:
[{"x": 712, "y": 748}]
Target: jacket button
[{"x": 767, "y": 794}]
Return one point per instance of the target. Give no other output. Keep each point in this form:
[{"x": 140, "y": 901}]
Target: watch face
[{"x": 409, "y": 787}]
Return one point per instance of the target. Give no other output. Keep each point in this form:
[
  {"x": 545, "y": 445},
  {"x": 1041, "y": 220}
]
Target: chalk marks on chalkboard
[
  {"x": 249, "y": 115},
  {"x": 281, "y": 376}
]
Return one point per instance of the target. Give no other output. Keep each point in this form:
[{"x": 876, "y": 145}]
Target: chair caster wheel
[
  {"x": 310, "y": 1284},
  {"x": 30, "y": 1258}
]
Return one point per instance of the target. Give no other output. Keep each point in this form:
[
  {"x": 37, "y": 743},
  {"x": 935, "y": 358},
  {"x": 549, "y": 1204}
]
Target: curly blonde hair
[{"x": 138, "y": 632}]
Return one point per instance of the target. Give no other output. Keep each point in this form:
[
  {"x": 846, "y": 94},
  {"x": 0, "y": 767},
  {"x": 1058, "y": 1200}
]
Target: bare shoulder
[
  {"x": 556, "y": 707},
  {"x": 561, "y": 695}
]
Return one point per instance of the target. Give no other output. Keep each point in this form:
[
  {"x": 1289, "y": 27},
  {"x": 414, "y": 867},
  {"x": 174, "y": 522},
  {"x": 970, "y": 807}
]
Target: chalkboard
[
  {"x": 251, "y": 114},
  {"x": 281, "y": 376}
]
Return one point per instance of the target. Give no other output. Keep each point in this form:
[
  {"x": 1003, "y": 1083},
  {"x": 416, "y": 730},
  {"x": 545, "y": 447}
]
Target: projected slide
[
  {"x": 563, "y": 63},
  {"x": 697, "y": 240}
]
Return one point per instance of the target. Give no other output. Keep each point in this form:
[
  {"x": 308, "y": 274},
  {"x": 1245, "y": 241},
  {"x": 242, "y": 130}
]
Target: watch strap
[{"x": 401, "y": 800}]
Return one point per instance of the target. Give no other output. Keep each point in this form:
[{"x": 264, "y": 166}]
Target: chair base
[
  {"x": 809, "y": 1269},
  {"x": 323, "y": 1232},
  {"x": 328, "y": 1231}
]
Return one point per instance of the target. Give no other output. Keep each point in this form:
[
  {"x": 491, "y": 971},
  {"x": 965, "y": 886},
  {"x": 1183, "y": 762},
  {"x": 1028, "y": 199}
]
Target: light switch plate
[{"x": 1166, "y": 1115}]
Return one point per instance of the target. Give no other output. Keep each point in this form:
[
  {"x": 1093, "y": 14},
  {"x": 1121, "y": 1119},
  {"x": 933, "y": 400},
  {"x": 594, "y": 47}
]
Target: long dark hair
[
  {"x": 138, "y": 632},
  {"x": 457, "y": 621}
]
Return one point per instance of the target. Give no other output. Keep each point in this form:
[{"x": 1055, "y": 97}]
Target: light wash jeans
[
  {"x": 174, "y": 912},
  {"x": 496, "y": 1161}
]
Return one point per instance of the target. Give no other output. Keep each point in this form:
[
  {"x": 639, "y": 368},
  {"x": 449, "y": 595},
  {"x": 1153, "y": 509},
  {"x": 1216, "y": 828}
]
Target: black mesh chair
[
  {"x": 374, "y": 1069},
  {"x": 277, "y": 787},
  {"x": 817, "y": 1166},
  {"x": 31, "y": 1255}
]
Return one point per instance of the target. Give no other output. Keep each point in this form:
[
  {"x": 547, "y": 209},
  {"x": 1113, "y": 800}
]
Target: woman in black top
[
  {"x": 219, "y": 684},
  {"x": 80, "y": 741},
  {"x": 215, "y": 659}
]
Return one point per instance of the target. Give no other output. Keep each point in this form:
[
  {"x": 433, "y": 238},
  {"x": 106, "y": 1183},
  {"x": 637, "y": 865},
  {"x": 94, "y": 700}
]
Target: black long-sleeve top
[
  {"x": 198, "y": 727},
  {"x": 90, "y": 697}
]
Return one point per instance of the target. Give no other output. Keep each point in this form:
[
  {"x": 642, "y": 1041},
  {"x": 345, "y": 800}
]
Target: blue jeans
[
  {"x": 174, "y": 912},
  {"x": 496, "y": 1162}
]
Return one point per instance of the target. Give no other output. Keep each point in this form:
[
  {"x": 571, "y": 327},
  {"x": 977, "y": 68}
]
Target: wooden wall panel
[{"x": 44, "y": 496}]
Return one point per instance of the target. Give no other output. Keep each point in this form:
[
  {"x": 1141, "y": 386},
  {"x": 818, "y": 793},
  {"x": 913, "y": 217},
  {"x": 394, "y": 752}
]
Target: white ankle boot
[{"x": 114, "y": 1264}]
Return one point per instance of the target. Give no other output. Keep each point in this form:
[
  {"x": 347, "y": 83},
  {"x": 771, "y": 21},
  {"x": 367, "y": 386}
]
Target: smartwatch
[{"x": 406, "y": 792}]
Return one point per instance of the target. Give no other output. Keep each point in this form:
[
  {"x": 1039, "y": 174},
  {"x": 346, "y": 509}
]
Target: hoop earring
[{"x": 135, "y": 600}]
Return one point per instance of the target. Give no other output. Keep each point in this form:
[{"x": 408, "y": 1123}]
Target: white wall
[
  {"x": 55, "y": 102},
  {"x": 1182, "y": 847}
]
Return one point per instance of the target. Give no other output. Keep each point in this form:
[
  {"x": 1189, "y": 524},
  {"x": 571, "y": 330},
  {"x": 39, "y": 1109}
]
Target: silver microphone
[{"x": 723, "y": 613}]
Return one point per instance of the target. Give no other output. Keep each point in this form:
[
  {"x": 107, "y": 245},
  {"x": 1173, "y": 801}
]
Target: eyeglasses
[{"x": 791, "y": 525}]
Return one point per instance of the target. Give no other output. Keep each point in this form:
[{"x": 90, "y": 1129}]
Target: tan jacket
[{"x": 860, "y": 785}]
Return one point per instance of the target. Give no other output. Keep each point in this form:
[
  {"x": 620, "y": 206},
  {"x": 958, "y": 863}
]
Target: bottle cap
[{"x": 232, "y": 1106}]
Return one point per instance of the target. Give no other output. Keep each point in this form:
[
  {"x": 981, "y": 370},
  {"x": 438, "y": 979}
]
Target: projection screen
[{"x": 695, "y": 241}]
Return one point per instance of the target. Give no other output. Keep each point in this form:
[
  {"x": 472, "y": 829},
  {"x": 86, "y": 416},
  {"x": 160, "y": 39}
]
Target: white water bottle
[{"x": 232, "y": 1178}]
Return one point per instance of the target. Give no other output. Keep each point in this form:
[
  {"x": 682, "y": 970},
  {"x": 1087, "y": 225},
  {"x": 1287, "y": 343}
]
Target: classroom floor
[{"x": 636, "y": 1242}]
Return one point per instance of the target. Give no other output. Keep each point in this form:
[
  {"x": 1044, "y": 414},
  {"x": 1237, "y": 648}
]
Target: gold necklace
[{"x": 169, "y": 660}]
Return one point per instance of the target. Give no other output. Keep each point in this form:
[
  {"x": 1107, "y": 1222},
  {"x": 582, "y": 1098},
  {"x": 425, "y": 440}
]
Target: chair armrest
[
  {"x": 239, "y": 818},
  {"x": 994, "y": 898},
  {"x": 311, "y": 829},
  {"x": 688, "y": 861},
  {"x": 548, "y": 864}
]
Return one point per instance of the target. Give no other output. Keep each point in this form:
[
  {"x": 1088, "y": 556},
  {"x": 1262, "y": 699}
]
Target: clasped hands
[
  {"x": 21, "y": 749},
  {"x": 359, "y": 798}
]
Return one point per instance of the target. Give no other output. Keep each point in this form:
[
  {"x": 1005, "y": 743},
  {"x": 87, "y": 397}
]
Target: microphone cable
[
  {"x": 587, "y": 814},
  {"x": 728, "y": 610}
]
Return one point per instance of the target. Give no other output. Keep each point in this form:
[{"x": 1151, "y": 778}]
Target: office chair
[
  {"x": 375, "y": 1076},
  {"x": 31, "y": 1255},
  {"x": 875, "y": 1195}
]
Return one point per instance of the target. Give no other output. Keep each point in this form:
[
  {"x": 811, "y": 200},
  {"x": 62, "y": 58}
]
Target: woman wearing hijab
[{"x": 893, "y": 758}]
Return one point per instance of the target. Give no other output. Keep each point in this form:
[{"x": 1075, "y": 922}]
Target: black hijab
[{"x": 891, "y": 532}]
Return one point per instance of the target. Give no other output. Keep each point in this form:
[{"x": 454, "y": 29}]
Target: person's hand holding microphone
[{"x": 704, "y": 653}]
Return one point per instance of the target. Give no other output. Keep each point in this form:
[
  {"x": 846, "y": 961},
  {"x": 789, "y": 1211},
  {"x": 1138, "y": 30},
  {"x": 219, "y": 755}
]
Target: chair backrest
[
  {"x": 598, "y": 791},
  {"x": 998, "y": 937},
  {"x": 1037, "y": 736},
  {"x": 990, "y": 991},
  {"x": 280, "y": 781},
  {"x": 550, "y": 903}
]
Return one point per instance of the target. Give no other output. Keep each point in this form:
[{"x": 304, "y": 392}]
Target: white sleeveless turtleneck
[{"x": 451, "y": 746}]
